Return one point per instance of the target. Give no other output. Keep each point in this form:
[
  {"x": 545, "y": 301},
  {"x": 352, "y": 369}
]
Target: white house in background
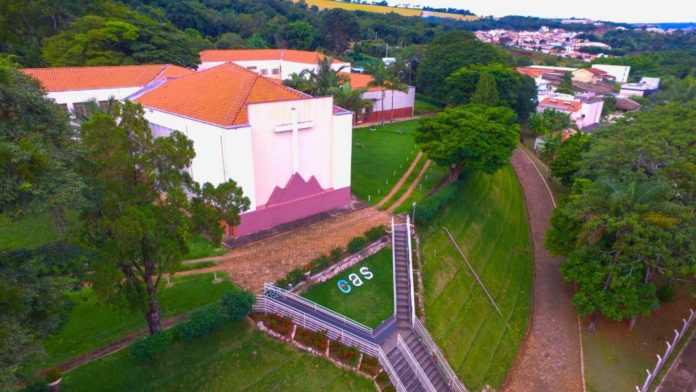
[
  {"x": 584, "y": 110},
  {"x": 289, "y": 152},
  {"x": 642, "y": 88},
  {"x": 273, "y": 63},
  {"x": 281, "y": 63},
  {"x": 619, "y": 72}
]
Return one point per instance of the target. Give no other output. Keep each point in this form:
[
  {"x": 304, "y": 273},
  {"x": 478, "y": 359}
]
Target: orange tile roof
[
  {"x": 298, "y": 56},
  {"x": 358, "y": 80},
  {"x": 567, "y": 106},
  {"x": 218, "y": 95},
  {"x": 101, "y": 77}
]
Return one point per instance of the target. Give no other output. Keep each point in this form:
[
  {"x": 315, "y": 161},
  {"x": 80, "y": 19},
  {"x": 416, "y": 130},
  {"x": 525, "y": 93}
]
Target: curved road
[{"x": 550, "y": 356}]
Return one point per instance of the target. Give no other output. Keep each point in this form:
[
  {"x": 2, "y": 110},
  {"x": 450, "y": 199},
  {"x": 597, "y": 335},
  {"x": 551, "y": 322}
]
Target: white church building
[{"x": 289, "y": 152}]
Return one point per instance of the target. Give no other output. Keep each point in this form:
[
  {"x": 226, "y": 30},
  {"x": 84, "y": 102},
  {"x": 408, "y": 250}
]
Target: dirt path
[
  {"x": 267, "y": 260},
  {"x": 410, "y": 189},
  {"x": 550, "y": 358},
  {"x": 401, "y": 181}
]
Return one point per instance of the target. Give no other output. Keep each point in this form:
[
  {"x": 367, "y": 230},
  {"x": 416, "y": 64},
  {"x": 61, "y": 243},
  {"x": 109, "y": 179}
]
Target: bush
[
  {"x": 146, "y": 349},
  {"x": 36, "y": 387},
  {"x": 370, "y": 365},
  {"x": 319, "y": 264},
  {"x": 238, "y": 304},
  {"x": 293, "y": 278},
  {"x": 343, "y": 353},
  {"x": 356, "y": 244},
  {"x": 282, "y": 325},
  {"x": 375, "y": 233},
  {"x": 430, "y": 100},
  {"x": 310, "y": 338},
  {"x": 52, "y": 375},
  {"x": 336, "y": 255},
  {"x": 428, "y": 208},
  {"x": 201, "y": 323},
  {"x": 666, "y": 292},
  {"x": 383, "y": 380}
]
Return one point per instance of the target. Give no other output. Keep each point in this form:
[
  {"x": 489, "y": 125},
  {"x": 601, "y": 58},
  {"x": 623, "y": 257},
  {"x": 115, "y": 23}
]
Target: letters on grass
[{"x": 355, "y": 279}]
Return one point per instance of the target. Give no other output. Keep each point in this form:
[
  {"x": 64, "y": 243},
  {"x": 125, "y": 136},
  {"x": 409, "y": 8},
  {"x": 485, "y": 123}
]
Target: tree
[
  {"x": 568, "y": 158},
  {"x": 326, "y": 77},
  {"x": 550, "y": 124},
  {"x": 394, "y": 84},
  {"x": 229, "y": 41},
  {"x": 139, "y": 218},
  {"x": 338, "y": 28},
  {"x": 566, "y": 86},
  {"x": 37, "y": 152},
  {"x": 486, "y": 91},
  {"x": 450, "y": 52},
  {"x": 300, "y": 81},
  {"x": 301, "y": 35},
  {"x": 351, "y": 99},
  {"x": 515, "y": 90},
  {"x": 473, "y": 136},
  {"x": 380, "y": 80}
]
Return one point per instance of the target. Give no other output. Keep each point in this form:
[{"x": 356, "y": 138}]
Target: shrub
[
  {"x": 52, "y": 375},
  {"x": 356, "y": 244},
  {"x": 307, "y": 337},
  {"x": 282, "y": 325},
  {"x": 370, "y": 365},
  {"x": 238, "y": 304},
  {"x": 383, "y": 380},
  {"x": 319, "y": 264},
  {"x": 336, "y": 255},
  {"x": 36, "y": 387},
  {"x": 345, "y": 354},
  {"x": 375, "y": 233},
  {"x": 293, "y": 278},
  {"x": 428, "y": 208},
  {"x": 201, "y": 323},
  {"x": 666, "y": 292},
  {"x": 148, "y": 348}
]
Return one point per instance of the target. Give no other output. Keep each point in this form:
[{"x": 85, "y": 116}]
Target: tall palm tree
[
  {"x": 380, "y": 77},
  {"x": 351, "y": 99},
  {"x": 394, "y": 84},
  {"x": 300, "y": 81},
  {"x": 325, "y": 78}
]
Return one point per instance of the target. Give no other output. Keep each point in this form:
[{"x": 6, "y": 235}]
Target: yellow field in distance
[{"x": 322, "y": 4}]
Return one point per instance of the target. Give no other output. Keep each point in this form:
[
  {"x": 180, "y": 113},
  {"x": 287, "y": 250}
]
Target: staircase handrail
[
  {"x": 442, "y": 364},
  {"x": 415, "y": 366}
]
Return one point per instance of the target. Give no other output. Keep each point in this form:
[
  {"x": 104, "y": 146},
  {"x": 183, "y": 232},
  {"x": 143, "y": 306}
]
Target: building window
[
  {"x": 253, "y": 69},
  {"x": 63, "y": 107},
  {"x": 264, "y": 72},
  {"x": 104, "y": 106},
  {"x": 275, "y": 71},
  {"x": 79, "y": 108}
]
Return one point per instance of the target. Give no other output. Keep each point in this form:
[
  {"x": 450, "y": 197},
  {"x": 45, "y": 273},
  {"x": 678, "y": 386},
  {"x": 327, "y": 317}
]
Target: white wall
[
  {"x": 631, "y": 93},
  {"x": 619, "y": 72},
  {"x": 592, "y": 113},
  {"x": 341, "y": 144},
  {"x": 221, "y": 154},
  {"x": 75, "y": 96},
  {"x": 401, "y": 99}
]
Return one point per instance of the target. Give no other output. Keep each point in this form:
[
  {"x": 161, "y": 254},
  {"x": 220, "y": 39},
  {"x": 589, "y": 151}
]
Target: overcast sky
[{"x": 630, "y": 11}]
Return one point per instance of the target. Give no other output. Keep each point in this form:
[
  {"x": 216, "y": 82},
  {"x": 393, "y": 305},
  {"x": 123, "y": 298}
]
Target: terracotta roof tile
[
  {"x": 218, "y": 95},
  {"x": 298, "y": 56},
  {"x": 102, "y": 77},
  {"x": 567, "y": 106}
]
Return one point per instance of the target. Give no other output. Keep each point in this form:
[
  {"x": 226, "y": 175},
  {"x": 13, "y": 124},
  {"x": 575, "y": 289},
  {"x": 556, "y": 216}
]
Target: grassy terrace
[
  {"x": 380, "y": 158},
  {"x": 370, "y": 303},
  {"x": 234, "y": 358},
  {"x": 489, "y": 221}
]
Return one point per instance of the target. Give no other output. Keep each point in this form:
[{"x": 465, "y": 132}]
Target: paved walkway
[
  {"x": 267, "y": 260},
  {"x": 550, "y": 356},
  {"x": 681, "y": 376}
]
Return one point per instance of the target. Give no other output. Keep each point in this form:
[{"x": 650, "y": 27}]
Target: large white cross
[{"x": 295, "y": 127}]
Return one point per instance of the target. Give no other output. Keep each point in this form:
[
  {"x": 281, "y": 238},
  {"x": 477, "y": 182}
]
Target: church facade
[{"x": 289, "y": 152}]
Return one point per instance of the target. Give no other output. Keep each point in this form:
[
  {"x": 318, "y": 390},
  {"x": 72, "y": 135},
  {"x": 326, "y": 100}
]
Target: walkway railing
[
  {"x": 393, "y": 377},
  {"x": 308, "y": 321},
  {"x": 413, "y": 363},
  {"x": 410, "y": 267},
  {"x": 393, "y": 262},
  {"x": 272, "y": 291},
  {"x": 661, "y": 360},
  {"x": 436, "y": 354}
]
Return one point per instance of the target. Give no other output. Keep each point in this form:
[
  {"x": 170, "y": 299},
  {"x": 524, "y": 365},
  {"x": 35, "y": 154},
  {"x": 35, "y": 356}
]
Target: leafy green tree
[
  {"x": 515, "y": 90},
  {"x": 229, "y": 41},
  {"x": 130, "y": 38},
  {"x": 301, "y": 35},
  {"x": 256, "y": 42},
  {"x": 450, "y": 52},
  {"x": 139, "y": 217},
  {"x": 338, "y": 26},
  {"x": 609, "y": 106},
  {"x": 300, "y": 81},
  {"x": 486, "y": 92},
  {"x": 568, "y": 158},
  {"x": 380, "y": 80},
  {"x": 37, "y": 152},
  {"x": 566, "y": 86},
  {"x": 325, "y": 78},
  {"x": 473, "y": 136},
  {"x": 351, "y": 99}
]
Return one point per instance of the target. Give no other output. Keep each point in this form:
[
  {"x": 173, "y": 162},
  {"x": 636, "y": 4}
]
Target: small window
[
  {"x": 64, "y": 107},
  {"x": 104, "y": 106},
  {"x": 252, "y": 69},
  {"x": 264, "y": 72},
  {"x": 79, "y": 108},
  {"x": 275, "y": 71}
]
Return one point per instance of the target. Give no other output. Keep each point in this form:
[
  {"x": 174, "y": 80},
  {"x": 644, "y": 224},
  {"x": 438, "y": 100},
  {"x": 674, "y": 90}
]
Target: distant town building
[
  {"x": 619, "y": 72},
  {"x": 585, "y": 110},
  {"x": 641, "y": 89},
  {"x": 591, "y": 75}
]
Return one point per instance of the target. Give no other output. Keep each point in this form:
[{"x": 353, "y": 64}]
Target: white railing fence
[
  {"x": 393, "y": 262},
  {"x": 307, "y": 321},
  {"x": 393, "y": 377},
  {"x": 410, "y": 267},
  {"x": 447, "y": 372},
  {"x": 272, "y": 291},
  {"x": 415, "y": 366},
  {"x": 661, "y": 360}
]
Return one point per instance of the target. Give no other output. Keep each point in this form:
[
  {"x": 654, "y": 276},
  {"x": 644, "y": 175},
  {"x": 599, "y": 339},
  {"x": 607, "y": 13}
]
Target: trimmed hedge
[
  {"x": 428, "y": 208},
  {"x": 375, "y": 233},
  {"x": 201, "y": 323},
  {"x": 357, "y": 244},
  {"x": 336, "y": 255},
  {"x": 307, "y": 337},
  {"x": 346, "y": 354},
  {"x": 145, "y": 349},
  {"x": 293, "y": 278},
  {"x": 279, "y": 324},
  {"x": 237, "y": 304},
  {"x": 370, "y": 365}
]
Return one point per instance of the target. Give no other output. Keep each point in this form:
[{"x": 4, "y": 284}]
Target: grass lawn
[
  {"x": 423, "y": 107},
  {"x": 92, "y": 324},
  {"x": 489, "y": 221},
  {"x": 371, "y": 303},
  {"x": 234, "y": 358},
  {"x": 380, "y": 158},
  {"x": 406, "y": 184},
  {"x": 200, "y": 247},
  {"x": 616, "y": 357},
  {"x": 30, "y": 232},
  {"x": 432, "y": 177}
]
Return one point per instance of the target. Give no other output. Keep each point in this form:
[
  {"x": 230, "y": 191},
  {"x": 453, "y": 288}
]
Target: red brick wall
[{"x": 398, "y": 113}]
